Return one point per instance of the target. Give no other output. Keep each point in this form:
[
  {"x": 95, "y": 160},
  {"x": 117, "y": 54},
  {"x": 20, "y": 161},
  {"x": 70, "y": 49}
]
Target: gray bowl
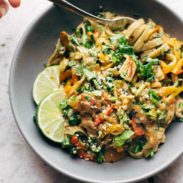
[{"x": 34, "y": 49}]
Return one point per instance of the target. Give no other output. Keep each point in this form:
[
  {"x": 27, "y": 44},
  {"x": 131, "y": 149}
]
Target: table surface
[{"x": 18, "y": 163}]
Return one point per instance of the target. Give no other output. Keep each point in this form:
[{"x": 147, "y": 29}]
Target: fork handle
[{"x": 75, "y": 9}]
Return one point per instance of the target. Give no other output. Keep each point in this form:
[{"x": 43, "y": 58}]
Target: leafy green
[
  {"x": 122, "y": 49},
  {"x": 86, "y": 88},
  {"x": 98, "y": 83},
  {"x": 118, "y": 55},
  {"x": 75, "y": 119},
  {"x": 100, "y": 157},
  {"x": 78, "y": 70},
  {"x": 161, "y": 114},
  {"x": 78, "y": 33},
  {"x": 74, "y": 40},
  {"x": 139, "y": 144},
  {"x": 154, "y": 61},
  {"x": 180, "y": 105},
  {"x": 67, "y": 145},
  {"x": 121, "y": 139},
  {"x": 115, "y": 38},
  {"x": 65, "y": 108},
  {"x": 145, "y": 70},
  {"x": 106, "y": 49},
  {"x": 88, "y": 26},
  {"x": 109, "y": 83},
  {"x": 72, "y": 63},
  {"x": 88, "y": 44},
  {"x": 113, "y": 99},
  {"x": 150, "y": 154},
  {"x": 154, "y": 97},
  {"x": 89, "y": 40},
  {"x": 94, "y": 144},
  {"x": 123, "y": 41},
  {"x": 147, "y": 107}
]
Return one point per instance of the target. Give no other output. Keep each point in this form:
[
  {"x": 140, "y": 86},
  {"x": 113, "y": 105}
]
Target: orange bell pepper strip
[
  {"x": 68, "y": 86},
  {"x": 98, "y": 120},
  {"x": 110, "y": 110}
]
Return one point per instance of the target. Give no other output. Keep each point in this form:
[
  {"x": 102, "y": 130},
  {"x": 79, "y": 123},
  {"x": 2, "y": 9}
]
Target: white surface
[{"x": 18, "y": 163}]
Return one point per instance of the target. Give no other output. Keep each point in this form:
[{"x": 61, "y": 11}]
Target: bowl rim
[{"x": 49, "y": 162}]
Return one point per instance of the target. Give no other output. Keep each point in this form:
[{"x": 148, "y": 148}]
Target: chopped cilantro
[
  {"x": 65, "y": 108},
  {"x": 123, "y": 48},
  {"x": 98, "y": 83},
  {"x": 72, "y": 63},
  {"x": 109, "y": 83},
  {"x": 75, "y": 119},
  {"x": 123, "y": 117},
  {"x": 74, "y": 40},
  {"x": 78, "y": 70},
  {"x": 100, "y": 157},
  {"x": 88, "y": 26},
  {"x": 139, "y": 144},
  {"x": 88, "y": 44},
  {"x": 145, "y": 70},
  {"x": 154, "y": 97},
  {"x": 86, "y": 88},
  {"x": 151, "y": 154},
  {"x": 67, "y": 145}
]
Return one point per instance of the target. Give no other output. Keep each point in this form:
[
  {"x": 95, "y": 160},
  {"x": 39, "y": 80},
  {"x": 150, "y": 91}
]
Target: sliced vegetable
[
  {"x": 145, "y": 70},
  {"x": 123, "y": 138},
  {"x": 128, "y": 69}
]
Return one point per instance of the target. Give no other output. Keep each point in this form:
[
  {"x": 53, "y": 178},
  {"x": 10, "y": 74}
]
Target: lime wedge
[
  {"x": 49, "y": 116},
  {"x": 46, "y": 82}
]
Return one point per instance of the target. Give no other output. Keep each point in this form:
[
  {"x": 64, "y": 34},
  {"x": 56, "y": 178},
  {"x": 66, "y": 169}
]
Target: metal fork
[{"x": 122, "y": 20}]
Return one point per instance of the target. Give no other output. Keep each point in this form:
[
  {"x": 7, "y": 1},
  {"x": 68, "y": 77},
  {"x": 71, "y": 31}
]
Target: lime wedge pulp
[
  {"x": 46, "y": 82},
  {"x": 49, "y": 116}
]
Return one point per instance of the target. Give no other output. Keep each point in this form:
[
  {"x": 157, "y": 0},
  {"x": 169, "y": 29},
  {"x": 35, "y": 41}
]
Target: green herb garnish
[{"x": 154, "y": 97}]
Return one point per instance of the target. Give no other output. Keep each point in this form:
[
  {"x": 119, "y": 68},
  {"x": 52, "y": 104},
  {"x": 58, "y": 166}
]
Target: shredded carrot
[
  {"x": 110, "y": 110},
  {"x": 131, "y": 69}
]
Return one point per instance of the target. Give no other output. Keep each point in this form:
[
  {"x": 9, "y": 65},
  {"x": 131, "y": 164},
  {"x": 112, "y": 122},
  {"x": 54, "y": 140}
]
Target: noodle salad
[{"x": 106, "y": 93}]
